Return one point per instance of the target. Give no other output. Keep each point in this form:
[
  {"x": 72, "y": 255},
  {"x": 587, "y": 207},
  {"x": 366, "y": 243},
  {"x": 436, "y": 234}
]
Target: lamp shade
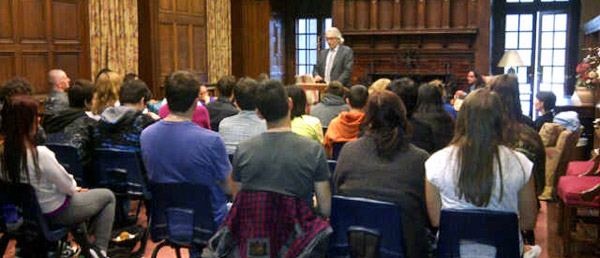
[{"x": 510, "y": 58}]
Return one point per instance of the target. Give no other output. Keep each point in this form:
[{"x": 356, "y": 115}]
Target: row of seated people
[{"x": 491, "y": 175}]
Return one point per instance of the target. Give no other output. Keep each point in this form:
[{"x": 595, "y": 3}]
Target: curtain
[
  {"x": 114, "y": 35},
  {"x": 219, "y": 38}
]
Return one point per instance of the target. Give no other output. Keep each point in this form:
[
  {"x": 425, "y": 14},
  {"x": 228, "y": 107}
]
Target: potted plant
[{"x": 588, "y": 77}]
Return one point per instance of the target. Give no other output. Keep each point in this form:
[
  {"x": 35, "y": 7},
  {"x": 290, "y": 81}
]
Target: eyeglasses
[{"x": 331, "y": 39}]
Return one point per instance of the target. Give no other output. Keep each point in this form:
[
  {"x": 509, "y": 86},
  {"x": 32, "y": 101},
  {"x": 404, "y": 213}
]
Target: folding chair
[
  {"x": 494, "y": 228},
  {"x": 358, "y": 214},
  {"x": 180, "y": 216},
  {"x": 68, "y": 157},
  {"x": 21, "y": 209}
]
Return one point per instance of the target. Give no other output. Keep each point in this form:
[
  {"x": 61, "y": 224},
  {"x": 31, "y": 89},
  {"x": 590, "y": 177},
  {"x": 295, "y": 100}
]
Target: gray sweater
[{"x": 328, "y": 108}]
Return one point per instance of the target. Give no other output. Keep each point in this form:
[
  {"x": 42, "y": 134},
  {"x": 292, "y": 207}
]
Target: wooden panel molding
[
  {"x": 173, "y": 33},
  {"x": 404, "y": 37},
  {"x": 38, "y": 35}
]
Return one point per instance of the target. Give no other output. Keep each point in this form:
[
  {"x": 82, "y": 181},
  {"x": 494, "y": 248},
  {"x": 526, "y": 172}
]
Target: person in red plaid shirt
[{"x": 278, "y": 160}]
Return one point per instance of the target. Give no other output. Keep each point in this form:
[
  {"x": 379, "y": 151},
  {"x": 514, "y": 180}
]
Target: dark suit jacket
[{"x": 343, "y": 64}]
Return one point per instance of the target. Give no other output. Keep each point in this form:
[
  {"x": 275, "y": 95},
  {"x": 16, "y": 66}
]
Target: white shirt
[
  {"x": 328, "y": 65},
  {"x": 53, "y": 183},
  {"x": 442, "y": 171}
]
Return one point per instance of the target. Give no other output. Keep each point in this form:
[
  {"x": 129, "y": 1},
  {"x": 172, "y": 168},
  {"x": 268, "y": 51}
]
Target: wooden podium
[
  {"x": 314, "y": 91},
  {"x": 313, "y": 86}
]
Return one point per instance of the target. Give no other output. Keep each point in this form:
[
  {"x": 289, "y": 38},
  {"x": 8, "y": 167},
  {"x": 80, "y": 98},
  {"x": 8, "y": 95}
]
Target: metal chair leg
[
  {"x": 178, "y": 252},
  {"x": 3, "y": 243},
  {"x": 157, "y": 248}
]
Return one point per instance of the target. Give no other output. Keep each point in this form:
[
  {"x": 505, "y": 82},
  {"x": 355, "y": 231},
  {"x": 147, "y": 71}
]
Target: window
[
  {"x": 306, "y": 45},
  {"x": 539, "y": 31},
  {"x": 310, "y": 38}
]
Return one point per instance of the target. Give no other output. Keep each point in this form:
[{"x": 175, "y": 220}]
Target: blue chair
[
  {"x": 28, "y": 222},
  {"x": 376, "y": 217},
  {"x": 336, "y": 148},
  {"x": 181, "y": 215},
  {"x": 332, "y": 164},
  {"x": 68, "y": 157},
  {"x": 120, "y": 171},
  {"x": 498, "y": 229}
]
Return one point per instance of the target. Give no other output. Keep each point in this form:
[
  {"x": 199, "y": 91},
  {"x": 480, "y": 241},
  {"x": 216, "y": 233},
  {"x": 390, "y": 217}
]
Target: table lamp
[{"x": 511, "y": 59}]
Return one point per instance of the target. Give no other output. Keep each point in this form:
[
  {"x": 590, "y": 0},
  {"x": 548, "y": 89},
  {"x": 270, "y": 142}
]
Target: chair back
[
  {"x": 336, "y": 148},
  {"x": 120, "y": 171},
  {"x": 22, "y": 198},
  {"x": 494, "y": 228},
  {"x": 376, "y": 216},
  {"x": 332, "y": 165},
  {"x": 68, "y": 157},
  {"x": 558, "y": 158},
  {"x": 181, "y": 213}
]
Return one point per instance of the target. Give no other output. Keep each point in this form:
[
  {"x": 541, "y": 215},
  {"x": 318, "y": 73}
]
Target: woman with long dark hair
[
  {"x": 383, "y": 165},
  {"x": 430, "y": 109},
  {"x": 61, "y": 201},
  {"x": 474, "y": 80},
  {"x": 520, "y": 135},
  {"x": 479, "y": 171},
  {"x": 303, "y": 124}
]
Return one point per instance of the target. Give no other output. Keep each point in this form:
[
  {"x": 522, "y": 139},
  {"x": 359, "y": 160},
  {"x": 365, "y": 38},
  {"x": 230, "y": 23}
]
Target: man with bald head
[{"x": 57, "y": 98}]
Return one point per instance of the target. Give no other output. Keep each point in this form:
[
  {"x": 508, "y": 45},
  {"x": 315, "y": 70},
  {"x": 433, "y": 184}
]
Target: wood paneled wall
[
  {"x": 39, "y": 35},
  {"x": 172, "y": 37},
  {"x": 415, "y": 36},
  {"x": 250, "y": 37}
]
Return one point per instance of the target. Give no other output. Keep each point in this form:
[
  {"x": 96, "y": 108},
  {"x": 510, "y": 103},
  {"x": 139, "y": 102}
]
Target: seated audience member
[
  {"x": 384, "y": 165},
  {"x": 281, "y": 161},
  {"x": 431, "y": 111},
  {"x": 222, "y": 107},
  {"x": 130, "y": 77},
  {"x": 107, "y": 86},
  {"x": 420, "y": 132},
  {"x": 520, "y": 136},
  {"x": 57, "y": 98},
  {"x": 303, "y": 124},
  {"x": 246, "y": 124},
  {"x": 332, "y": 103},
  {"x": 544, "y": 102},
  {"x": 379, "y": 85},
  {"x": 347, "y": 126},
  {"x": 177, "y": 150},
  {"x": 449, "y": 108},
  {"x": 200, "y": 116},
  {"x": 73, "y": 126},
  {"x": 204, "y": 96},
  {"x": 61, "y": 201},
  {"x": 120, "y": 127},
  {"x": 15, "y": 87},
  {"x": 480, "y": 171},
  {"x": 474, "y": 80}
]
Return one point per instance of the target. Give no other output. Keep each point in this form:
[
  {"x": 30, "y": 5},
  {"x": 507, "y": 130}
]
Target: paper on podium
[{"x": 306, "y": 78}]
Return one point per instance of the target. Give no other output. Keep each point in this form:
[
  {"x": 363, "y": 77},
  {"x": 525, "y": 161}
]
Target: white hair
[{"x": 336, "y": 32}]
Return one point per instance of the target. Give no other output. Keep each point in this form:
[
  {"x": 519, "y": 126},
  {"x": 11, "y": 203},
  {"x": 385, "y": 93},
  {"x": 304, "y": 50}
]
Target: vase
[{"x": 586, "y": 95}]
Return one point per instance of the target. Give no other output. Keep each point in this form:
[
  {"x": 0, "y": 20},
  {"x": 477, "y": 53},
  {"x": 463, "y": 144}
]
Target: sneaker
[
  {"x": 534, "y": 252},
  {"x": 70, "y": 251},
  {"x": 95, "y": 252}
]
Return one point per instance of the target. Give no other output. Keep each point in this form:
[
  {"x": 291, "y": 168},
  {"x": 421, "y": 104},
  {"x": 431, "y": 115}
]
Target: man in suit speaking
[{"x": 335, "y": 63}]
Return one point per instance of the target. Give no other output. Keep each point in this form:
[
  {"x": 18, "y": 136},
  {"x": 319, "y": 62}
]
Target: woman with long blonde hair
[{"x": 107, "y": 91}]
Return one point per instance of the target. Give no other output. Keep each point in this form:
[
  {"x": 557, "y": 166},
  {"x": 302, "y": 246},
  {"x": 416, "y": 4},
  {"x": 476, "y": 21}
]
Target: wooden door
[
  {"x": 172, "y": 37},
  {"x": 39, "y": 35}
]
